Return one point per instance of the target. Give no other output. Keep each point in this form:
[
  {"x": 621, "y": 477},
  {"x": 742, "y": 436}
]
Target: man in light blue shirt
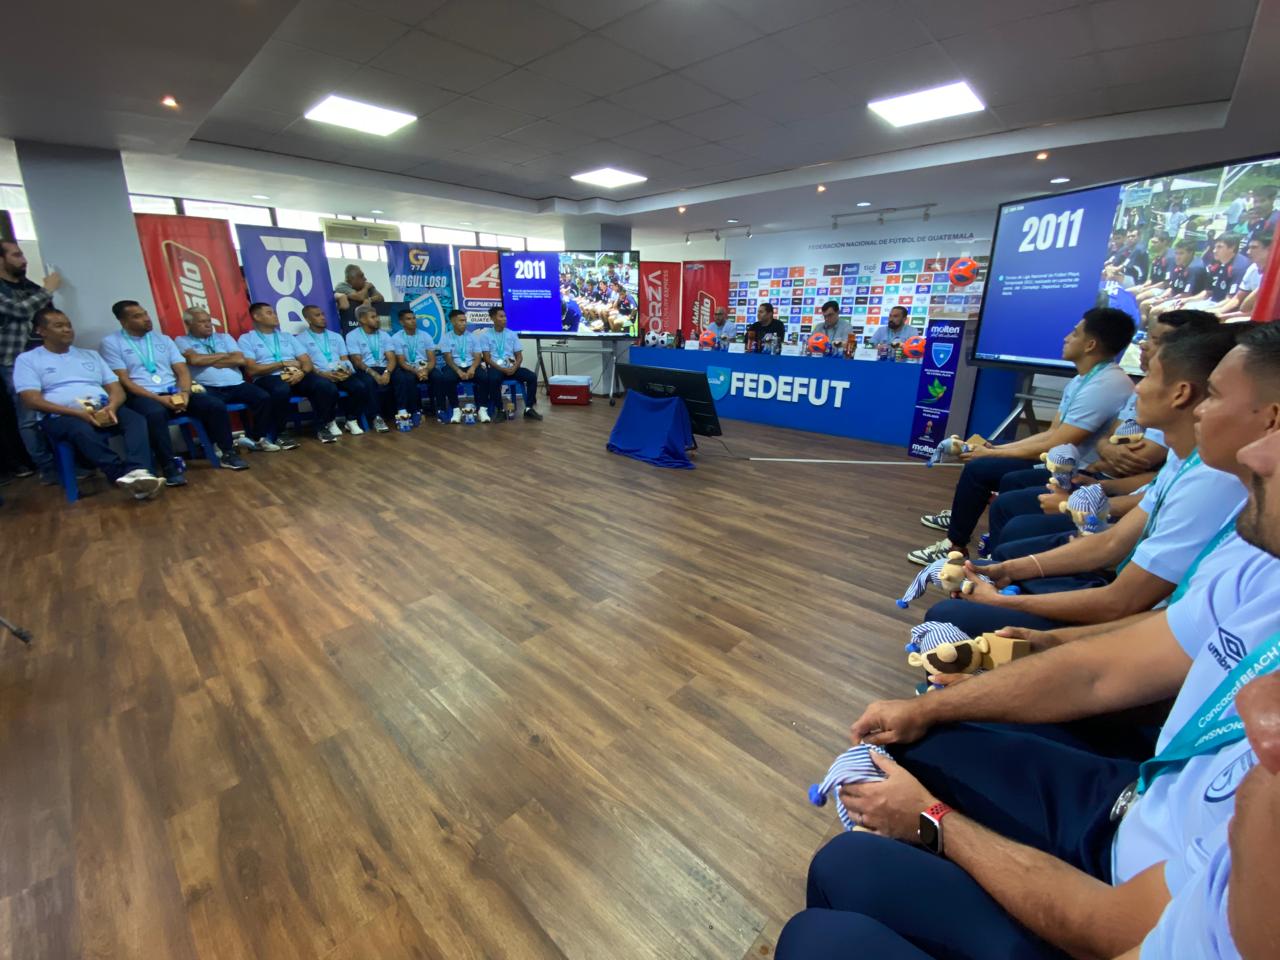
[
  {"x": 503, "y": 354},
  {"x": 157, "y": 384},
  {"x": 81, "y": 402},
  {"x": 416, "y": 355},
  {"x": 723, "y": 328},
  {"x": 463, "y": 355},
  {"x": 369, "y": 349},
  {"x": 837, "y": 330},
  {"x": 275, "y": 362},
  {"x": 327, "y": 352},
  {"x": 896, "y": 331},
  {"x": 215, "y": 362}
]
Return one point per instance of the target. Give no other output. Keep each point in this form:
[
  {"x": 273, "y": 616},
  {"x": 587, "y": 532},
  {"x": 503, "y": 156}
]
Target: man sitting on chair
[
  {"x": 65, "y": 384},
  {"x": 503, "y": 353},
  {"x": 328, "y": 354},
  {"x": 416, "y": 355},
  {"x": 275, "y": 362},
  {"x": 371, "y": 351},
  {"x": 157, "y": 385},
  {"x": 215, "y": 362},
  {"x": 462, "y": 356}
]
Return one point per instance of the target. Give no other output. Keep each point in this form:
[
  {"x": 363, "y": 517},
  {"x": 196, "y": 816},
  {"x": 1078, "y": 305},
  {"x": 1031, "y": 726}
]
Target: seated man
[
  {"x": 1195, "y": 493},
  {"x": 328, "y": 355},
  {"x": 725, "y": 329},
  {"x": 503, "y": 354},
  {"x": 416, "y": 355},
  {"x": 1226, "y": 270},
  {"x": 371, "y": 352},
  {"x": 65, "y": 384},
  {"x": 894, "y": 333},
  {"x": 157, "y": 384},
  {"x": 275, "y": 362},
  {"x": 215, "y": 361},
  {"x": 1090, "y": 402},
  {"x": 462, "y": 357},
  {"x": 833, "y": 328},
  {"x": 1186, "y": 281},
  {"x": 1239, "y": 305},
  {"x": 1161, "y": 254},
  {"x": 355, "y": 290}
]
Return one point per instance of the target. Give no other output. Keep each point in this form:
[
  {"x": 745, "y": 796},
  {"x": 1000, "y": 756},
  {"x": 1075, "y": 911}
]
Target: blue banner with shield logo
[
  {"x": 288, "y": 269},
  {"x": 422, "y": 275},
  {"x": 943, "y": 341}
]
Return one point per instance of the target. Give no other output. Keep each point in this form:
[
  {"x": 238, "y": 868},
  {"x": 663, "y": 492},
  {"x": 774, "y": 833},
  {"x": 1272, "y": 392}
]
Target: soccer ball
[
  {"x": 913, "y": 348},
  {"x": 818, "y": 344},
  {"x": 964, "y": 271},
  {"x": 653, "y": 339},
  {"x": 708, "y": 339}
]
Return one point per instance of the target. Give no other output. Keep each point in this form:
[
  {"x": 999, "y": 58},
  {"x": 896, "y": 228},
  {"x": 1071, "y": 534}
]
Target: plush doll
[
  {"x": 1062, "y": 462},
  {"x": 853, "y": 766},
  {"x": 1089, "y": 508},
  {"x": 1128, "y": 432},
  {"x": 943, "y": 648},
  {"x": 946, "y": 573},
  {"x": 951, "y": 448}
]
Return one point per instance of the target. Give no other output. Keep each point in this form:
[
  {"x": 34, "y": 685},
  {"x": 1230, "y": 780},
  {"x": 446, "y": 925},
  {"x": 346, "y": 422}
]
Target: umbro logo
[{"x": 1232, "y": 646}]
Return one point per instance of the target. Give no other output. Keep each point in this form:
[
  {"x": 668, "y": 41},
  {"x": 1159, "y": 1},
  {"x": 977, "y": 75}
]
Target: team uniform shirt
[
  {"x": 147, "y": 360},
  {"x": 1189, "y": 281},
  {"x": 1091, "y": 402},
  {"x": 265, "y": 348},
  {"x": 1251, "y": 280},
  {"x": 1195, "y": 921},
  {"x": 1186, "y": 504},
  {"x": 462, "y": 347},
  {"x": 1133, "y": 262},
  {"x": 1269, "y": 224},
  {"x": 1161, "y": 268},
  {"x": 328, "y": 351},
  {"x": 211, "y": 376},
  {"x": 1224, "y": 278},
  {"x": 1228, "y": 609},
  {"x": 572, "y": 314},
  {"x": 626, "y": 306},
  {"x": 412, "y": 350},
  {"x": 63, "y": 378},
  {"x": 502, "y": 347},
  {"x": 372, "y": 348},
  {"x": 1130, "y": 412},
  {"x": 883, "y": 334}
]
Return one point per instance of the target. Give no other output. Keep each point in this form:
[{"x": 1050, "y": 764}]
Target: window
[
  {"x": 501, "y": 240},
  {"x": 543, "y": 243},
  {"x": 444, "y": 235},
  {"x": 139, "y": 203},
  {"x": 234, "y": 212},
  {"x": 300, "y": 219},
  {"x": 409, "y": 232},
  {"x": 14, "y": 199}
]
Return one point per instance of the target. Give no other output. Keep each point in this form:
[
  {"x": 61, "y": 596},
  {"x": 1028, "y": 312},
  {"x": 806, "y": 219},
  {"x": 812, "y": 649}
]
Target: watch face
[{"x": 928, "y": 834}]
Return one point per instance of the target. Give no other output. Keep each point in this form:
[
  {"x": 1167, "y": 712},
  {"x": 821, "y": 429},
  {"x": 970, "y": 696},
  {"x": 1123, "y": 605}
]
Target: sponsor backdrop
[
  {"x": 943, "y": 347},
  {"x": 706, "y": 288},
  {"x": 478, "y": 281},
  {"x": 288, "y": 269},
  {"x": 422, "y": 275},
  {"x": 659, "y": 297},
  {"x": 191, "y": 262}
]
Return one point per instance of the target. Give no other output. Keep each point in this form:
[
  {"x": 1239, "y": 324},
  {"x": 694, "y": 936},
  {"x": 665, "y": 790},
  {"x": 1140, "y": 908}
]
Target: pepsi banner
[
  {"x": 943, "y": 340},
  {"x": 288, "y": 269},
  {"x": 422, "y": 275},
  {"x": 191, "y": 262},
  {"x": 478, "y": 281}
]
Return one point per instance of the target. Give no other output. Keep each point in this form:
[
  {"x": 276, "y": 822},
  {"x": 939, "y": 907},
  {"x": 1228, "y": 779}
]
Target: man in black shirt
[{"x": 768, "y": 331}]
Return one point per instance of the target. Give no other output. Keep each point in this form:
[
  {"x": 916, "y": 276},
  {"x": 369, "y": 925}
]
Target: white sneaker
[
  {"x": 266, "y": 445},
  {"x": 333, "y": 429},
  {"x": 935, "y": 551},
  {"x": 484, "y": 415},
  {"x": 142, "y": 484},
  {"x": 456, "y": 416},
  {"x": 380, "y": 425},
  {"x": 246, "y": 443},
  {"x": 353, "y": 428}
]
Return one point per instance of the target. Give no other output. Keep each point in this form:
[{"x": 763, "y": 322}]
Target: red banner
[
  {"x": 191, "y": 262},
  {"x": 706, "y": 290},
  {"x": 659, "y": 298}
]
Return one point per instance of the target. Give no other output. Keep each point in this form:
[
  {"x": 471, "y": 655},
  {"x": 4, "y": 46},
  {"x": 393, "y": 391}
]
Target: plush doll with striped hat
[
  {"x": 853, "y": 766},
  {"x": 1089, "y": 508},
  {"x": 1128, "y": 432},
  {"x": 1062, "y": 461},
  {"x": 943, "y": 648}
]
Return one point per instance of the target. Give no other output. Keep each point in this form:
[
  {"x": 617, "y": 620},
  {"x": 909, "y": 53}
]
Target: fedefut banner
[
  {"x": 659, "y": 297},
  {"x": 706, "y": 289},
  {"x": 289, "y": 270},
  {"x": 423, "y": 277},
  {"x": 943, "y": 341},
  {"x": 478, "y": 281},
  {"x": 191, "y": 262}
]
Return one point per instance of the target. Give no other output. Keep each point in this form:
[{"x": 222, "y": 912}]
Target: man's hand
[
  {"x": 52, "y": 282},
  {"x": 999, "y": 573},
  {"x": 982, "y": 592},
  {"x": 290, "y": 375},
  {"x": 1039, "y": 639},
  {"x": 1049, "y": 501},
  {"x": 889, "y": 807},
  {"x": 383, "y": 378},
  {"x": 88, "y": 416},
  {"x": 949, "y": 679},
  {"x": 175, "y": 402},
  {"x": 890, "y": 721},
  {"x": 983, "y": 451},
  {"x": 1132, "y": 458}
]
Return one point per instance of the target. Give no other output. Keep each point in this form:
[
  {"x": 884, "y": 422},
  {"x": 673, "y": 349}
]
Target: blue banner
[
  {"x": 423, "y": 277},
  {"x": 943, "y": 341},
  {"x": 288, "y": 269}
]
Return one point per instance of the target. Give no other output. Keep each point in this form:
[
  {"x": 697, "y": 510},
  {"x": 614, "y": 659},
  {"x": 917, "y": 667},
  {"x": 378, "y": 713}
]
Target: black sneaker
[
  {"x": 232, "y": 461},
  {"x": 175, "y": 479},
  {"x": 531, "y": 414},
  {"x": 324, "y": 436},
  {"x": 286, "y": 442},
  {"x": 23, "y": 472}
]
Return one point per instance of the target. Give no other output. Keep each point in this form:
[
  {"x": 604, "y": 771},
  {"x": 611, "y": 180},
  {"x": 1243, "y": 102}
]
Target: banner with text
[
  {"x": 191, "y": 262},
  {"x": 706, "y": 289},
  {"x": 423, "y": 277},
  {"x": 478, "y": 281},
  {"x": 659, "y": 298},
  {"x": 943, "y": 344},
  {"x": 288, "y": 269}
]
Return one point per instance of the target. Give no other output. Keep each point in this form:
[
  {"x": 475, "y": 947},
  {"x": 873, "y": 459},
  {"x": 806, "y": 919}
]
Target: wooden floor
[{"x": 473, "y": 692}]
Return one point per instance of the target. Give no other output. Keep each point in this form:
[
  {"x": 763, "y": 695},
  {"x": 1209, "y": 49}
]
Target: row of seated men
[
  {"x": 1115, "y": 792},
  {"x": 140, "y": 380}
]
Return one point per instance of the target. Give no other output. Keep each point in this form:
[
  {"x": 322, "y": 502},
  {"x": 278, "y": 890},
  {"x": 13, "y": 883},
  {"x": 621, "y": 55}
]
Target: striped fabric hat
[
  {"x": 1062, "y": 462},
  {"x": 932, "y": 634},
  {"x": 921, "y": 583},
  {"x": 1093, "y": 504},
  {"x": 1130, "y": 428},
  {"x": 853, "y": 766},
  {"x": 950, "y": 447}
]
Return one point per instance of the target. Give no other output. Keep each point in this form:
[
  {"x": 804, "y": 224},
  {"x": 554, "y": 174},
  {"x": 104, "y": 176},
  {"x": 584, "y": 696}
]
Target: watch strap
[{"x": 938, "y": 811}]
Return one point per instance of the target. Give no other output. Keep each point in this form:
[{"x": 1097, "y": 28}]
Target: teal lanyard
[
  {"x": 148, "y": 361},
  {"x": 275, "y": 350},
  {"x": 462, "y": 354},
  {"x": 1185, "y": 584},
  {"x": 411, "y": 348},
  {"x": 323, "y": 344},
  {"x": 375, "y": 355},
  {"x": 1080, "y": 384},
  {"x": 208, "y": 345},
  {"x": 1149, "y": 527},
  {"x": 500, "y": 342},
  {"x": 1208, "y": 730}
]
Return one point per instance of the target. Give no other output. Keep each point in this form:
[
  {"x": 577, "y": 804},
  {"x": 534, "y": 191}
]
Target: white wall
[{"x": 698, "y": 249}]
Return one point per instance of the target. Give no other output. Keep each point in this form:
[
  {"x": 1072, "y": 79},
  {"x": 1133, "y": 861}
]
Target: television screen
[
  {"x": 1181, "y": 237},
  {"x": 580, "y": 293}
]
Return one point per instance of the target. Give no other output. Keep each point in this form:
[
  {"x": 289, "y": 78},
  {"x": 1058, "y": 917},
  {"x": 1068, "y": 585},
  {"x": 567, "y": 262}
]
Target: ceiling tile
[
  {"x": 667, "y": 97},
  {"x": 942, "y": 18},
  {"x": 1170, "y": 58},
  {"x": 507, "y": 151},
  {"x": 234, "y": 134},
  {"x": 550, "y": 135},
  {"x": 706, "y": 155},
  {"x": 840, "y": 39},
  {"x": 602, "y": 118},
  {"x": 395, "y": 92},
  {"x": 593, "y": 14},
  {"x": 323, "y": 25},
  {"x": 1073, "y": 105},
  {"x": 880, "y": 77},
  {"x": 802, "y": 98},
  {"x": 1213, "y": 83},
  {"x": 288, "y": 78},
  {"x": 532, "y": 93},
  {"x": 610, "y": 67},
  {"x": 1119, "y": 23},
  {"x": 662, "y": 139},
  {"x": 512, "y": 30},
  {"x": 723, "y": 122},
  {"x": 769, "y": 16},
  {"x": 676, "y": 32},
  {"x": 469, "y": 114},
  {"x": 422, "y": 57},
  {"x": 752, "y": 69},
  {"x": 404, "y": 11}
]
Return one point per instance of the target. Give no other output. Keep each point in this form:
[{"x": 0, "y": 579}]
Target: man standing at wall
[{"x": 20, "y": 298}]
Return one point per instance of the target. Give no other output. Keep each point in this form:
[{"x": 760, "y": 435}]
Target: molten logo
[
  {"x": 418, "y": 258},
  {"x": 194, "y": 281}
]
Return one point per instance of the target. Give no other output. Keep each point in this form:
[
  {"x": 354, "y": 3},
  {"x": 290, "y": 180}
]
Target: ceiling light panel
[
  {"x": 364, "y": 117},
  {"x": 609, "y": 178},
  {"x": 951, "y": 100}
]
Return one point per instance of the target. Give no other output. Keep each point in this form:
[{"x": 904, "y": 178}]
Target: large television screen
[
  {"x": 583, "y": 293},
  {"x": 1055, "y": 257}
]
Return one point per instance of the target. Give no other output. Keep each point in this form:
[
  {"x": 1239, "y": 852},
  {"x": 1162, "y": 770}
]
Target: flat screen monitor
[
  {"x": 579, "y": 293},
  {"x": 689, "y": 385},
  {"x": 1186, "y": 233}
]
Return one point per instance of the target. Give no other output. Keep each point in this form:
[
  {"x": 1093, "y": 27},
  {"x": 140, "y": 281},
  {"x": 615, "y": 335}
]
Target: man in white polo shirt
[
  {"x": 503, "y": 354},
  {"x": 328, "y": 354},
  {"x": 416, "y": 355}
]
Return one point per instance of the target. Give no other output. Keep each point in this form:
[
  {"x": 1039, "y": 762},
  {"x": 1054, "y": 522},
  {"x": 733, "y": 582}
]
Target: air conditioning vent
[{"x": 356, "y": 231}]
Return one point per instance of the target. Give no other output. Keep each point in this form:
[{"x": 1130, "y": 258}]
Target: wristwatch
[{"x": 931, "y": 827}]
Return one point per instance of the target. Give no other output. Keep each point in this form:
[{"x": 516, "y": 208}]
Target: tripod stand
[{"x": 23, "y": 635}]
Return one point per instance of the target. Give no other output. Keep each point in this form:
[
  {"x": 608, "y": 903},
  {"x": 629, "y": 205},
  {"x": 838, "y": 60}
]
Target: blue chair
[
  {"x": 517, "y": 389},
  {"x": 64, "y": 456},
  {"x": 197, "y": 440}
]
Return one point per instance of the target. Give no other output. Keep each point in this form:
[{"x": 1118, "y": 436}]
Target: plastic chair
[
  {"x": 196, "y": 439},
  {"x": 64, "y": 456},
  {"x": 517, "y": 391}
]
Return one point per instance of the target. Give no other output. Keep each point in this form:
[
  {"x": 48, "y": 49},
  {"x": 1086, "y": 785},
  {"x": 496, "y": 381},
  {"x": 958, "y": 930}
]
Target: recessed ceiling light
[
  {"x": 1042, "y": 155},
  {"x": 951, "y": 100},
  {"x": 464, "y": 223},
  {"x": 687, "y": 241},
  {"x": 377, "y": 211},
  {"x": 609, "y": 178},
  {"x": 364, "y": 117},
  {"x": 681, "y": 209},
  {"x": 169, "y": 101},
  {"x": 1060, "y": 180},
  {"x": 748, "y": 233},
  {"x": 731, "y": 220},
  {"x": 821, "y": 188},
  {"x": 260, "y": 196},
  {"x": 864, "y": 203}
]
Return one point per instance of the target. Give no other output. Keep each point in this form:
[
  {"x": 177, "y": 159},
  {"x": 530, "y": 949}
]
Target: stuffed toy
[
  {"x": 853, "y": 766},
  {"x": 947, "y": 573},
  {"x": 1089, "y": 508},
  {"x": 1128, "y": 432},
  {"x": 943, "y": 648},
  {"x": 951, "y": 448},
  {"x": 1062, "y": 462}
]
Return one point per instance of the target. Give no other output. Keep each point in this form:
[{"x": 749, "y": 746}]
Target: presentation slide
[
  {"x": 1124, "y": 244},
  {"x": 531, "y": 291},
  {"x": 580, "y": 293}
]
